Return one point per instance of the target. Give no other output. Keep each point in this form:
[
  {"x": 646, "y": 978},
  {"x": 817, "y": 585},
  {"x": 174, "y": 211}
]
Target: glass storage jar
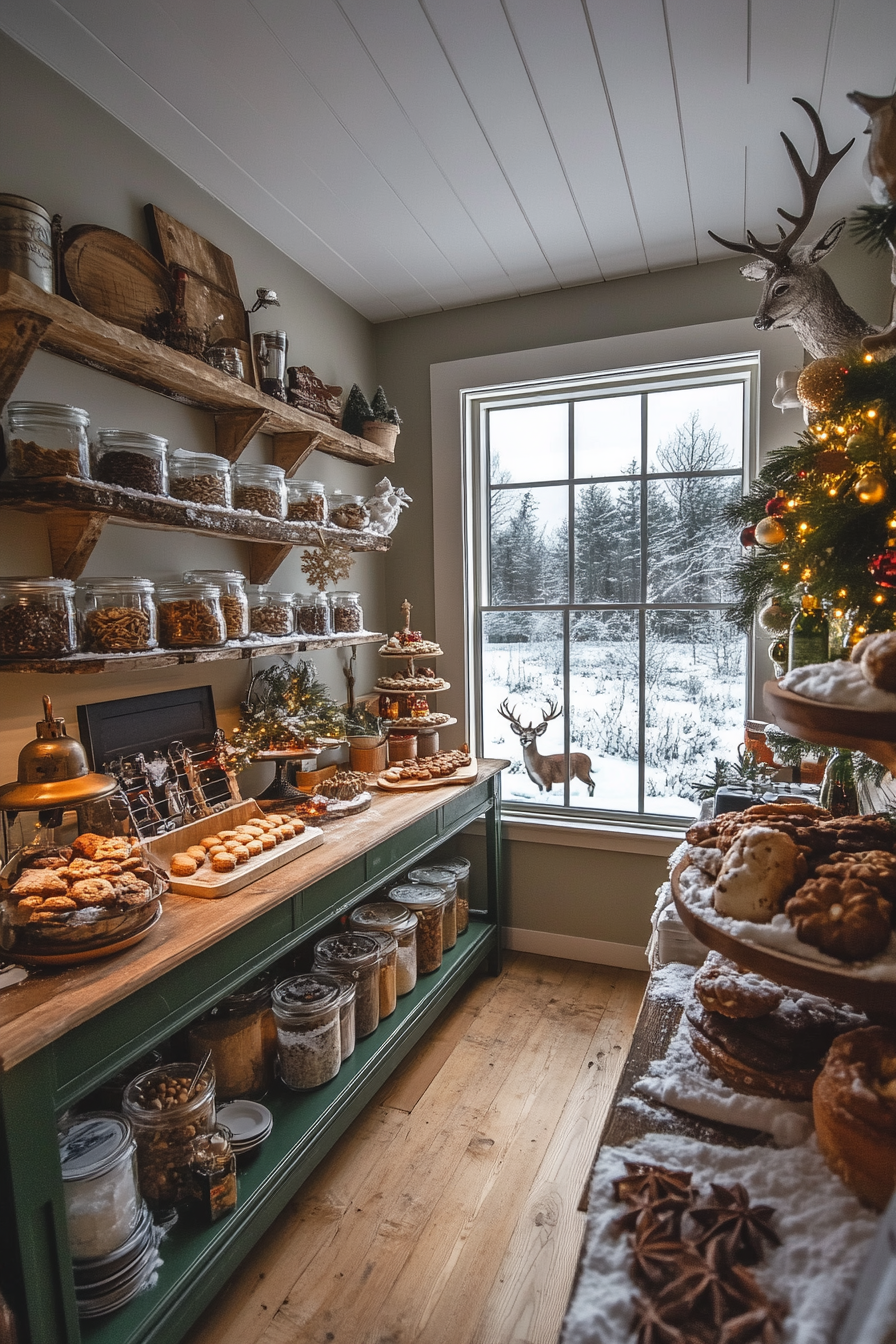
[
  {"x": 190, "y": 615},
  {"x": 389, "y": 917},
  {"x": 306, "y": 502},
  {"x": 117, "y": 615},
  {"x": 214, "y": 1173},
  {"x": 242, "y": 1037},
  {"x": 346, "y": 616},
  {"x": 270, "y": 612},
  {"x": 199, "y": 478},
  {"x": 434, "y": 875},
  {"x": 312, "y": 614},
  {"x": 166, "y": 1121},
  {"x": 347, "y": 511},
  {"x": 306, "y": 1011},
  {"x": 131, "y": 458},
  {"x": 346, "y": 1015},
  {"x": 259, "y": 488},
  {"x": 37, "y": 618},
  {"x": 234, "y": 603},
  {"x": 460, "y": 867},
  {"x": 428, "y": 904},
  {"x": 357, "y": 955},
  {"x": 388, "y": 946},
  {"x": 47, "y": 439},
  {"x": 98, "y": 1153}
]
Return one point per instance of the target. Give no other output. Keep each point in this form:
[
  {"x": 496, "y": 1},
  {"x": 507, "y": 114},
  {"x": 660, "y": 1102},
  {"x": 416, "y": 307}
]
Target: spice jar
[
  {"x": 388, "y": 946},
  {"x": 389, "y": 917},
  {"x": 346, "y": 1015},
  {"x": 200, "y": 478},
  {"x": 234, "y": 603},
  {"x": 166, "y": 1120},
  {"x": 37, "y": 618},
  {"x": 460, "y": 867},
  {"x": 47, "y": 439},
  {"x": 312, "y": 612},
  {"x": 348, "y": 511},
  {"x": 260, "y": 488},
  {"x": 306, "y": 1011},
  {"x": 357, "y": 955},
  {"x": 131, "y": 458},
  {"x": 117, "y": 615},
  {"x": 346, "y": 616},
  {"x": 98, "y": 1153},
  {"x": 242, "y": 1037},
  {"x": 434, "y": 875},
  {"x": 306, "y": 502},
  {"x": 190, "y": 614},
  {"x": 427, "y": 903},
  {"x": 214, "y": 1171},
  {"x": 270, "y": 612}
]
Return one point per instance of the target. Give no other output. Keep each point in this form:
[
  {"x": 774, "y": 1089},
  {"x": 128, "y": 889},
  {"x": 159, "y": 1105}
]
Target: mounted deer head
[
  {"x": 882, "y": 148},
  {"x": 545, "y": 771}
]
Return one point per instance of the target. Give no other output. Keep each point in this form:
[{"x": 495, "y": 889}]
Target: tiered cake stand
[{"x": 425, "y": 729}]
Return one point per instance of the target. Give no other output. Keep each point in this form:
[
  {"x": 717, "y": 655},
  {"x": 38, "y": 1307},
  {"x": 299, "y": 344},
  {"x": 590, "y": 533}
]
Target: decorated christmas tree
[{"x": 285, "y": 708}]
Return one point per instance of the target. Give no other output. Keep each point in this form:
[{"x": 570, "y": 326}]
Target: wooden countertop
[{"x": 48, "y": 1004}]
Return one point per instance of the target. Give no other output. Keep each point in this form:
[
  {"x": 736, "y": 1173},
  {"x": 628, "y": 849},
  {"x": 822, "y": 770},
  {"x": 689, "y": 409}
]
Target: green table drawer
[
  {"x": 333, "y": 891},
  {"x": 466, "y": 802},
  {"x": 392, "y": 853}
]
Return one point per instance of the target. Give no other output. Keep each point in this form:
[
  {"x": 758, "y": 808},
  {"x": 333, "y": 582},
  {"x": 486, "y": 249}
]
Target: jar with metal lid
[
  {"x": 346, "y": 616},
  {"x": 428, "y": 904},
  {"x": 190, "y": 615},
  {"x": 131, "y": 458},
  {"x": 460, "y": 867},
  {"x": 357, "y": 955},
  {"x": 234, "y": 603},
  {"x": 199, "y": 478},
  {"x": 312, "y": 611},
  {"x": 346, "y": 1014},
  {"x": 388, "y": 946},
  {"x": 98, "y": 1153},
  {"x": 270, "y": 612},
  {"x": 259, "y": 488},
  {"x": 389, "y": 917},
  {"x": 117, "y": 615},
  {"x": 242, "y": 1036},
  {"x": 349, "y": 511},
  {"x": 214, "y": 1173},
  {"x": 37, "y": 618},
  {"x": 434, "y": 875},
  {"x": 306, "y": 502},
  {"x": 26, "y": 240},
  {"x": 306, "y": 1011},
  {"x": 47, "y": 439},
  {"x": 166, "y": 1120}
]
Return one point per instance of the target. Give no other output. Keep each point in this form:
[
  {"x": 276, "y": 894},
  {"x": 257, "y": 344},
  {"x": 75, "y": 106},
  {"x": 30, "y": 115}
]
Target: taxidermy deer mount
[
  {"x": 881, "y": 165},
  {"x": 545, "y": 771}
]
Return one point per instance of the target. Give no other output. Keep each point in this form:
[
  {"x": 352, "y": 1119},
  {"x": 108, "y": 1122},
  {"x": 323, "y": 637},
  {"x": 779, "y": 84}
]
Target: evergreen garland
[
  {"x": 874, "y": 226},
  {"x": 285, "y": 708}
]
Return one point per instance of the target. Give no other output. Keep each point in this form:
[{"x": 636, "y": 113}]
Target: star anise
[
  {"x": 706, "y": 1284},
  {"x": 655, "y": 1189},
  {"x": 763, "y": 1325},
  {"x": 656, "y": 1250},
  {"x": 742, "y": 1226},
  {"x": 654, "y": 1328}
]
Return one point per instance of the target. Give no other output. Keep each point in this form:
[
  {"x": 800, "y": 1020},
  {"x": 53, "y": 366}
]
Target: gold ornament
[
  {"x": 871, "y": 487},
  {"x": 775, "y": 618},
  {"x": 821, "y": 384},
  {"x": 770, "y": 532},
  {"x": 327, "y": 564}
]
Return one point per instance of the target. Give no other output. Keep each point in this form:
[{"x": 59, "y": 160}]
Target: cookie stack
[{"x": 440, "y": 766}]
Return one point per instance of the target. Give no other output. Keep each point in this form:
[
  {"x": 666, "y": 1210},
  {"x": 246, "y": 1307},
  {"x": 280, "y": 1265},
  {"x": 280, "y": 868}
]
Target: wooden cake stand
[{"x": 867, "y": 730}]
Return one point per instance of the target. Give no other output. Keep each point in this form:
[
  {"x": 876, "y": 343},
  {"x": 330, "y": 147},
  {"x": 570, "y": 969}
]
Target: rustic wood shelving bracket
[
  {"x": 265, "y": 557},
  {"x": 20, "y": 335},
  {"x": 234, "y": 430},
  {"x": 290, "y": 450},
  {"x": 72, "y": 536}
]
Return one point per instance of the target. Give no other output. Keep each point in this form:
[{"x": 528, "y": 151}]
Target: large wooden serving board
[
  {"x": 465, "y": 774},
  {"x": 113, "y": 277}
]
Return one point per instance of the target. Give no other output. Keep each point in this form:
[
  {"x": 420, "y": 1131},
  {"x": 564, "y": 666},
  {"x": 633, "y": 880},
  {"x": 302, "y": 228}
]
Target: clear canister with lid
[
  {"x": 98, "y": 1153},
  {"x": 435, "y": 875},
  {"x": 346, "y": 1014},
  {"x": 428, "y": 904},
  {"x": 37, "y": 618},
  {"x": 190, "y": 615},
  {"x": 166, "y": 1120},
  {"x": 270, "y": 612},
  {"x": 390, "y": 917},
  {"x": 349, "y": 511},
  {"x": 199, "y": 478},
  {"x": 346, "y": 616},
  {"x": 242, "y": 1037},
  {"x": 460, "y": 867},
  {"x": 47, "y": 438},
  {"x": 312, "y": 612},
  {"x": 259, "y": 488},
  {"x": 214, "y": 1173},
  {"x": 234, "y": 602},
  {"x": 357, "y": 955},
  {"x": 309, "y": 1048},
  {"x": 117, "y": 615},
  {"x": 131, "y": 458},
  {"x": 388, "y": 946},
  {"x": 306, "y": 502}
]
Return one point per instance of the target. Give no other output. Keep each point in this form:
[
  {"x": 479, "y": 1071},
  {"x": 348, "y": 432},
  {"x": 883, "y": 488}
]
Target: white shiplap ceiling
[{"x": 416, "y": 155}]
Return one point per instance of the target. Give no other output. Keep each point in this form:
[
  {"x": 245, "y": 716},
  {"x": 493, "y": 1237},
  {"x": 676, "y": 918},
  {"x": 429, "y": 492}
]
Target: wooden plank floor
[{"x": 447, "y": 1214}]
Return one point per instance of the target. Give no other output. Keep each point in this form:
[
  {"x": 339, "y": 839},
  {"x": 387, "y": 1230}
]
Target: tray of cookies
[
  {"x": 430, "y": 772},
  {"x": 221, "y": 854}
]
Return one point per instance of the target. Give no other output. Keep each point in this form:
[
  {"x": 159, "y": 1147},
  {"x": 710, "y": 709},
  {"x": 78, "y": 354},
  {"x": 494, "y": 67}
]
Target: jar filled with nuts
[
  {"x": 234, "y": 602},
  {"x": 428, "y": 904},
  {"x": 270, "y": 612},
  {"x": 434, "y": 875},
  {"x": 347, "y": 511},
  {"x": 37, "y": 618},
  {"x": 312, "y": 614},
  {"x": 117, "y": 615},
  {"x": 190, "y": 615},
  {"x": 309, "y": 1043},
  {"x": 346, "y": 616},
  {"x": 166, "y": 1120},
  {"x": 306, "y": 502},
  {"x": 357, "y": 955},
  {"x": 200, "y": 478},
  {"x": 131, "y": 458},
  {"x": 260, "y": 488},
  {"x": 47, "y": 439}
]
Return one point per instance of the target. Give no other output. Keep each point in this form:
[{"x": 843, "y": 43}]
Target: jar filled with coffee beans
[
  {"x": 234, "y": 602},
  {"x": 312, "y": 614},
  {"x": 270, "y": 612},
  {"x": 190, "y": 615},
  {"x": 346, "y": 616},
  {"x": 47, "y": 439},
  {"x": 117, "y": 615},
  {"x": 131, "y": 458},
  {"x": 259, "y": 488},
  {"x": 37, "y": 618},
  {"x": 306, "y": 502},
  {"x": 348, "y": 511},
  {"x": 199, "y": 478}
]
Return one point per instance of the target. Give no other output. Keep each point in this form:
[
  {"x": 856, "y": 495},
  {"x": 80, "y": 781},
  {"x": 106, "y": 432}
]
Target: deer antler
[
  {"x": 507, "y": 713},
  {"x": 810, "y": 186},
  {"x": 554, "y": 712}
]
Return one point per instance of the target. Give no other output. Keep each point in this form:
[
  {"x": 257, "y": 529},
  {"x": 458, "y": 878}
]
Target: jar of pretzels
[
  {"x": 200, "y": 478},
  {"x": 260, "y": 488},
  {"x": 306, "y": 502},
  {"x": 190, "y": 615},
  {"x": 270, "y": 612},
  {"x": 234, "y": 602},
  {"x": 348, "y": 511},
  {"x": 117, "y": 615}
]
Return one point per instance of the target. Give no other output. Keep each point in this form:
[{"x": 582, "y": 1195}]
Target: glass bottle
[
  {"x": 809, "y": 635},
  {"x": 214, "y": 1173}
]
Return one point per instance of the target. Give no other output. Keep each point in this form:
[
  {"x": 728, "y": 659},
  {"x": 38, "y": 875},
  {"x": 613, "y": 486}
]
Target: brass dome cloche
[{"x": 53, "y": 771}]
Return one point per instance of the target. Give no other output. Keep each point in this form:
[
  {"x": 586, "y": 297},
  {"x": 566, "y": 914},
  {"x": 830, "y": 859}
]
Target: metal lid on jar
[
  {"x": 94, "y": 585},
  {"x": 434, "y": 875},
  {"x": 130, "y": 438},
  {"x": 48, "y": 410},
  {"x": 349, "y": 987},
  {"x": 418, "y": 896},
  {"x": 92, "y": 1143},
  {"x": 180, "y": 457},
  {"x": 459, "y": 866},
  {"x": 350, "y": 951},
  {"x": 255, "y": 994},
  {"x": 38, "y": 584},
  {"x": 383, "y": 915},
  {"x": 306, "y": 994},
  {"x": 214, "y": 576}
]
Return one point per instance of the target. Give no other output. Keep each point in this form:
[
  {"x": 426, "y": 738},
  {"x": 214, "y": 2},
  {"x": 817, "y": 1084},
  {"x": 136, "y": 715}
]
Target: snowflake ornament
[{"x": 329, "y": 563}]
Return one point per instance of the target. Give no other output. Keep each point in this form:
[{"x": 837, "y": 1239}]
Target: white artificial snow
[
  {"x": 838, "y": 683},
  {"x": 672, "y": 981}
]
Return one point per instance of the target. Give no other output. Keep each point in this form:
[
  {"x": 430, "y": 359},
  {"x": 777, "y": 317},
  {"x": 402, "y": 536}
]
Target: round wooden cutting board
[{"x": 113, "y": 277}]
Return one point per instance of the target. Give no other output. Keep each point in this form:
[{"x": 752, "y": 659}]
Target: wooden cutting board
[
  {"x": 113, "y": 277},
  {"x": 465, "y": 774}
]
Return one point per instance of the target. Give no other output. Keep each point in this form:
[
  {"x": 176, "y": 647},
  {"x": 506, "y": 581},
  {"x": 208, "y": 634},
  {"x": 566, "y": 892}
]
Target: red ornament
[
  {"x": 777, "y": 505},
  {"x": 883, "y": 569},
  {"x": 748, "y": 536}
]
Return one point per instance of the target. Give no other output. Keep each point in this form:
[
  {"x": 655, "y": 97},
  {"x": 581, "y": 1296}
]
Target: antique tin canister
[{"x": 26, "y": 241}]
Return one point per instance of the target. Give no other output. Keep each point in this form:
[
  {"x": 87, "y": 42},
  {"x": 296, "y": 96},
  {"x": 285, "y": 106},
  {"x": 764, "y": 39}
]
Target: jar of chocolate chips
[
  {"x": 190, "y": 615},
  {"x": 306, "y": 502},
  {"x": 37, "y": 618},
  {"x": 346, "y": 616},
  {"x": 133, "y": 459},
  {"x": 47, "y": 439},
  {"x": 312, "y": 614},
  {"x": 270, "y": 612},
  {"x": 199, "y": 478},
  {"x": 260, "y": 488},
  {"x": 117, "y": 615},
  {"x": 234, "y": 602}
]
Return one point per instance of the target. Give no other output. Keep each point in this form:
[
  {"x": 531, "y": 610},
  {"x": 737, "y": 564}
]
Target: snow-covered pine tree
[{"x": 356, "y": 410}]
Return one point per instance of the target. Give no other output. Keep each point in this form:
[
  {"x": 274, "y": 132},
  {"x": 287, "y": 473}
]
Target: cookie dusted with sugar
[{"x": 761, "y": 866}]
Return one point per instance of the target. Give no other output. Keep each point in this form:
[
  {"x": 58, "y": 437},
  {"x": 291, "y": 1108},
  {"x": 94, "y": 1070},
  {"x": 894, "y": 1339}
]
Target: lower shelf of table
[{"x": 198, "y": 1260}]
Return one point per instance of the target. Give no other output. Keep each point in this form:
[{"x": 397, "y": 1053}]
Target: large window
[{"x": 603, "y": 662}]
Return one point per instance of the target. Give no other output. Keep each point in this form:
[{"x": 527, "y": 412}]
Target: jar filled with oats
[
  {"x": 190, "y": 615},
  {"x": 312, "y": 614},
  {"x": 37, "y": 618},
  {"x": 306, "y": 502},
  {"x": 234, "y": 602},
  {"x": 259, "y": 488},
  {"x": 348, "y": 511},
  {"x": 270, "y": 612},
  {"x": 199, "y": 478},
  {"x": 47, "y": 439},
  {"x": 346, "y": 616},
  {"x": 309, "y": 1040},
  {"x": 117, "y": 615},
  {"x": 131, "y": 458}
]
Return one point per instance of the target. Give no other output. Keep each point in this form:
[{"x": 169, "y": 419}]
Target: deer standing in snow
[{"x": 545, "y": 771}]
